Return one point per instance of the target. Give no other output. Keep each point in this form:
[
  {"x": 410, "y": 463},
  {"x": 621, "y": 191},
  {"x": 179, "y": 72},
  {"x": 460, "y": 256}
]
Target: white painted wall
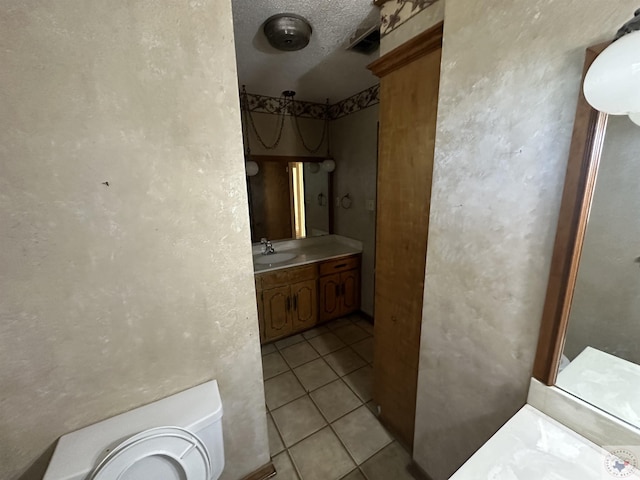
[
  {"x": 354, "y": 144},
  {"x": 114, "y": 296}
]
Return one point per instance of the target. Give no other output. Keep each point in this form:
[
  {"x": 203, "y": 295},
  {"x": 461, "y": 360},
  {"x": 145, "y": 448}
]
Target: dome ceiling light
[{"x": 287, "y": 31}]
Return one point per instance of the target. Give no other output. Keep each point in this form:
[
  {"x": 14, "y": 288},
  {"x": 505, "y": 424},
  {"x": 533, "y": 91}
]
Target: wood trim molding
[
  {"x": 582, "y": 168},
  {"x": 420, "y": 45},
  {"x": 262, "y": 473}
]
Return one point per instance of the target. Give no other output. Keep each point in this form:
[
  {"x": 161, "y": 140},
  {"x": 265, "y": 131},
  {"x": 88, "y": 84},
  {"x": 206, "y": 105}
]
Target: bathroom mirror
[
  {"x": 289, "y": 198},
  {"x": 588, "y": 339}
]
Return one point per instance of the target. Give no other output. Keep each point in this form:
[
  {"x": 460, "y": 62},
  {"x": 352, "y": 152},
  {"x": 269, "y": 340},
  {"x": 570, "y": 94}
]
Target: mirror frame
[
  {"x": 582, "y": 168},
  {"x": 296, "y": 158}
]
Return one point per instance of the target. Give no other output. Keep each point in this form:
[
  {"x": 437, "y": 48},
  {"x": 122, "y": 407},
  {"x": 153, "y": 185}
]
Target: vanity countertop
[
  {"x": 533, "y": 446},
  {"x": 307, "y": 250},
  {"x": 605, "y": 381}
]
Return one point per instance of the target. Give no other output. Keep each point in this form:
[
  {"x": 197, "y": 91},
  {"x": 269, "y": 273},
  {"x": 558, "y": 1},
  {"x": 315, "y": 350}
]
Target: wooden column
[{"x": 409, "y": 81}]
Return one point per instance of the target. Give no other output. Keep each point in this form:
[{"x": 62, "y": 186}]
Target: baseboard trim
[
  {"x": 262, "y": 473},
  {"x": 417, "y": 472}
]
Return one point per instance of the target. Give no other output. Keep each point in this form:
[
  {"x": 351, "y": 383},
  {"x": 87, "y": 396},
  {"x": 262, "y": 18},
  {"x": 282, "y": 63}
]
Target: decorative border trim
[
  {"x": 355, "y": 103},
  {"x": 279, "y": 105},
  {"x": 393, "y": 13},
  {"x": 318, "y": 111}
]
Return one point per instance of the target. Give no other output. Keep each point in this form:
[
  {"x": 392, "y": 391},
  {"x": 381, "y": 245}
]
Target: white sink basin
[{"x": 273, "y": 258}]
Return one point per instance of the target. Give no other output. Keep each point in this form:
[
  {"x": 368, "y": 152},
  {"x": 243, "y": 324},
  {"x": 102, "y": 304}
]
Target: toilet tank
[{"x": 198, "y": 410}]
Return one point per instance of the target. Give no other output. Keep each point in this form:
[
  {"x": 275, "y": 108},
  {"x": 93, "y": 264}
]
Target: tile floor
[{"x": 321, "y": 417}]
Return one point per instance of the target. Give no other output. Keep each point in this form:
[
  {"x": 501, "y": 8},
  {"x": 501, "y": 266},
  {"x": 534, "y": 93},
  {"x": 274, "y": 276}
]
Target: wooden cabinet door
[
  {"x": 350, "y": 291},
  {"x": 304, "y": 298},
  {"x": 276, "y": 305},
  {"x": 330, "y": 297}
]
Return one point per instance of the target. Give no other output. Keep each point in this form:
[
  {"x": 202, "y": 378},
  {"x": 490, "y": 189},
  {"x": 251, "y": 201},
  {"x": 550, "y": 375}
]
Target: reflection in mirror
[
  {"x": 602, "y": 342},
  {"x": 288, "y": 200}
]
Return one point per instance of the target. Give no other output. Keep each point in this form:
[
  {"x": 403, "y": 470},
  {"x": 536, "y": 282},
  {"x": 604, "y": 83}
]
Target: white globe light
[
  {"x": 314, "y": 167},
  {"x": 612, "y": 84},
  {"x": 328, "y": 165},
  {"x": 635, "y": 118},
  {"x": 252, "y": 168}
]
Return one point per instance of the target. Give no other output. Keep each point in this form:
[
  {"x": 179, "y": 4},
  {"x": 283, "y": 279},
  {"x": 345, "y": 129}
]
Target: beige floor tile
[
  {"x": 284, "y": 467},
  {"x": 344, "y": 361},
  {"x": 315, "y": 374},
  {"x": 314, "y": 332},
  {"x": 273, "y": 364},
  {"x": 327, "y": 343},
  {"x": 267, "y": 349},
  {"x": 355, "y": 475},
  {"x": 362, "y": 434},
  {"x": 321, "y": 457},
  {"x": 335, "y": 400},
  {"x": 391, "y": 462},
  {"x": 275, "y": 442},
  {"x": 299, "y": 354},
  {"x": 364, "y": 348},
  {"x": 361, "y": 382},
  {"x": 351, "y": 333},
  {"x": 287, "y": 342},
  {"x": 365, "y": 325},
  {"x": 282, "y": 389},
  {"x": 298, "y": 420}
]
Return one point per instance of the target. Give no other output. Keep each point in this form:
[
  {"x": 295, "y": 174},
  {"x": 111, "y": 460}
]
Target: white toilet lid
[{"x": 164, "y": 453}]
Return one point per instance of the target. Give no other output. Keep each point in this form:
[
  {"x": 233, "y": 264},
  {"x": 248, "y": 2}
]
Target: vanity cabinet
[
  {"x": 294, "y": 299},
  {"x": 339, "y": 287},
  {"x": 287, "y": 301}
]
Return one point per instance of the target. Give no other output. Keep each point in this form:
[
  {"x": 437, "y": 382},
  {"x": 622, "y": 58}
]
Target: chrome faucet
[{"x": 267, "y": 247}]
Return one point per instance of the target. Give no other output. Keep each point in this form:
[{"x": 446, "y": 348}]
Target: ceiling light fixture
[
  {"x": 287, "y": 31},
  {"x": 612, "y": 82}
]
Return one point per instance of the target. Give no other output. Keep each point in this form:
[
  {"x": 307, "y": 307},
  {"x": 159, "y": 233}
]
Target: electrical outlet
[{"x": 371, "y": 205}]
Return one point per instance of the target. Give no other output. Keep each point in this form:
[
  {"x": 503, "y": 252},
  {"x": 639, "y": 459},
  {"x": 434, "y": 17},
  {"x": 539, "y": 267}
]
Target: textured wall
[
  {"x": 354, "y": 146},
  {"x": 604, "y": 312},
  {"x": 509, "y": 84},
  {"x": 113, "y": 296},
  {"x": 268, "y": 125}
]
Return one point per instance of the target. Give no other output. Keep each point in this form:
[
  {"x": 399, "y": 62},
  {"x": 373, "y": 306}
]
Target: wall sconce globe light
[
  {"x": 252, "y": 168},
  {"x": 328, "y": 165},
  {"x": 612, "y": 84},
  {"x": 314, "y": 167}
]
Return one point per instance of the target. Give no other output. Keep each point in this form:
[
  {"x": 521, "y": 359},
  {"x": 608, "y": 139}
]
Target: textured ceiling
[{"x": 324, "y": 69}]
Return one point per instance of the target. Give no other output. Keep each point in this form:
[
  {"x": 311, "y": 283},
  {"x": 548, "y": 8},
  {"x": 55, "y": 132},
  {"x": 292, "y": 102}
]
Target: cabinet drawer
[
  {"x": 339, "y": 265},
  {"x": 288, "y": 276}
]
